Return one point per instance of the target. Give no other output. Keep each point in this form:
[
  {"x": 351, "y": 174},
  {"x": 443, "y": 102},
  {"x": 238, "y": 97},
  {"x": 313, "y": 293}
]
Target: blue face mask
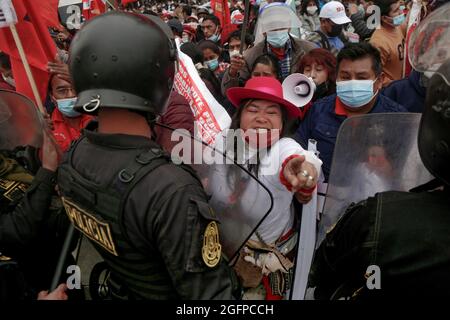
[
  {"x": 277, "y": 39},
  {"x": 402, "y": 8},
  {"x": 398, "y": 20},
  {"x": 355, "y": 93},
  {"x": 65, "y": 106},
  {"x": 214, "y": 38},
  {"x": 212, "y": 64}
]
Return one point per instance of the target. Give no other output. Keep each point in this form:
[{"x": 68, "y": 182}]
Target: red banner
[
  {"x": 32, "y": 27},
  {"x": 222, "y": 11}
]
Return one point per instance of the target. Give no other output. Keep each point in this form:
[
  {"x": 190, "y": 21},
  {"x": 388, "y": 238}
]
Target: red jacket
[
  {"x": 64, "y": 133},
  {"x": 177, "y": 116}
]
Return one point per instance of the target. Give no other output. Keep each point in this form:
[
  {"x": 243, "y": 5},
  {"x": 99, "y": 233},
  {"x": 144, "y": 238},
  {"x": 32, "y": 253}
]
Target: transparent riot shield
[
  {"x": 373, "y": 153},
  {"x": 21, "y": 124},
  {"x": 239, "y": 200},
  {"x": 429, "y": 44}
]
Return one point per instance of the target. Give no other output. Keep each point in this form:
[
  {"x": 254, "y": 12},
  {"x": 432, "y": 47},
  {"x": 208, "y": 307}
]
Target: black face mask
[
  {"x": 336, "y": 30},
  {"x": 321, "y": 91}
]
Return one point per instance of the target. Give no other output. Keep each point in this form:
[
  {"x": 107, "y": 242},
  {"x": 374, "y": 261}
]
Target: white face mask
[
  {"x": 9, "y": 80},
  {"x": 234, "y": 53},
  {"x": 185, "y": 39},
  {"x": 311, "y": 10}
]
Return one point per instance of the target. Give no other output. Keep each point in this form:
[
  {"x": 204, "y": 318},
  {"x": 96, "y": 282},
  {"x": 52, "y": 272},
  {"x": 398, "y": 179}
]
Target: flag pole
[
  {"x": 244, "y": 25},
  {"x": 16, "y": 37},
  {"x": 110, "y": 5}
]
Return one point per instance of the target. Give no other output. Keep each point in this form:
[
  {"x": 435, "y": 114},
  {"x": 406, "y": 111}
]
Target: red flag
[
  {"x": 125, "y": 2},
  {"x": 49, "y": 12},
  {"x": 92, "y": 8},
  {"x": 38, "y": 45},
  {"x": 222, "y": 11}
]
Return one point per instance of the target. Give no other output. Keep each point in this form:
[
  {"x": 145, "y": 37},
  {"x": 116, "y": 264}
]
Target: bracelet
[{"x": 283, "y": 180}]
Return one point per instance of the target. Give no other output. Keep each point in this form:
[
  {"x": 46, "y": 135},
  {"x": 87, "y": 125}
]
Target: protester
[
  {"x": 389, "y": 39},
  {"x": 320, "y": 65},
  {"x": 272, "y": 36},
  {"x": 211, "y": 55},
  {"x": 261, "y": 109},
  {"x": 309, "y": 16},
  {"x": 211, "y": 28},
  {"x": 332, "y": 20},
  {"x": 266, "y": 66},
  {"x": 67, "y": 123},
  {"x": 409, "y": 91},
  {"x": 398, "y": 238},
  {"x": 358, "y": 84},
  {"x": 359, "y": 16}
]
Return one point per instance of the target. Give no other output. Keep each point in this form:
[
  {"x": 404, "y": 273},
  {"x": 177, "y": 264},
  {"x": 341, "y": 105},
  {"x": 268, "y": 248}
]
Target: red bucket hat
[{"x": 263, "y": 88}]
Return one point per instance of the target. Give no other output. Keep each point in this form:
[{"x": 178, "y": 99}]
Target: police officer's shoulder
[{"x": 355, "y": 216}]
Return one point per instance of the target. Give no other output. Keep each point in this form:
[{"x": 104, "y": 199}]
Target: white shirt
[{"x": 253, "y": 199}]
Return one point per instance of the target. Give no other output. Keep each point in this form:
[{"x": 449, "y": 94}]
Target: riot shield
[
  {"x": 373, "y": 153},
  {"x": 21, "y": 124},
  {"x": 239, "y": 200}
]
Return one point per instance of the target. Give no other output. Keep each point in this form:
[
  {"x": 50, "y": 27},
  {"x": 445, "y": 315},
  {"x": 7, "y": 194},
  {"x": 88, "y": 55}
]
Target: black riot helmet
[
  {"x": 123, "y": 60},
  {"x": 434, "y": 132}
]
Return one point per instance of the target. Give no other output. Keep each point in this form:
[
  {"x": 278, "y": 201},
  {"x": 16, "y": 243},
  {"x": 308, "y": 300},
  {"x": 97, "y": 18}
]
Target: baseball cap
[{"x": 334, "y": 11}]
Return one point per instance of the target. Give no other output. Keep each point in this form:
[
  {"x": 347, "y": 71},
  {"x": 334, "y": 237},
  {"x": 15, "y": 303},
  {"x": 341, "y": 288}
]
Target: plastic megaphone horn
[{"x": 298, "y": 89}]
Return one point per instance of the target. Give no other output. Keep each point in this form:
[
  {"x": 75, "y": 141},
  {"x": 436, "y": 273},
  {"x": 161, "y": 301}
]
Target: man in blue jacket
[
  {"x": 410, "y": 91},
  {"x": 359, "y": 81}
]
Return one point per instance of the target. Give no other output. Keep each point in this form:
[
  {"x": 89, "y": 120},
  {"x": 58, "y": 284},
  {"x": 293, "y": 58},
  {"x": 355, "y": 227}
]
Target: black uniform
[
  {"x": 32, "y": 229},
  {"x": 405, "y": 234},
  {"x": 146, "y": 216}
]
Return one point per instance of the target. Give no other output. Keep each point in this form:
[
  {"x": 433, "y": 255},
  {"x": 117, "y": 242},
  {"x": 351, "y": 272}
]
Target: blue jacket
[
  {"x": 322, "y": 124},
  {"x": 409, "y": 92}
]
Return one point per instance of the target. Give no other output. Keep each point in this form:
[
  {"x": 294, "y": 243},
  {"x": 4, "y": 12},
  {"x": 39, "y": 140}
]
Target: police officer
[
  {"x": 148, "y": 218},
  {"x": 397, "y": 244},
  {"x": 30, "y": 219}
]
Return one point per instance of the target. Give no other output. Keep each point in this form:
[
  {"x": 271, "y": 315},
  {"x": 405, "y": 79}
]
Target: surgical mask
[
  {"x": 212, "y": 64},
  {"x": 66, "y": 107},
  {"x": 9, "y": 80},
  {"x": 185, "y": 39},
  {"x": 398, "y": 20},
  {"x": 311, "y": 10},
  {"x": 277, "y": 39},
  {"x": 234, "y": 53},
  {"x": 336, "y": 30},
  {"x": 355, "y": 93},
  {"x": 214, "y": 38}
]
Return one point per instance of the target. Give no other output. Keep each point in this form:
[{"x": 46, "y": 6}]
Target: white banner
[
  {"x": 210, "y": 117},
  {"x": 7, "y": 14}
]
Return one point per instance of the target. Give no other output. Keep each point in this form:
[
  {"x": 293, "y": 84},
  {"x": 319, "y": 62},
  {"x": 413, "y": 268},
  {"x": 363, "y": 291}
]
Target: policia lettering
[
  {"x": 12, "y": 190},
  {"x": 97, "y": 231}
]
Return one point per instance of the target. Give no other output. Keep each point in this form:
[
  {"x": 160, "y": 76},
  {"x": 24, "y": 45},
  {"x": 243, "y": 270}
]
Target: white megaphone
[{"x": 298, "y": 89}]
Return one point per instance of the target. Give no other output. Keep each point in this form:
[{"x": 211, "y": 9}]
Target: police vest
[{"x": 98, "y": 213}]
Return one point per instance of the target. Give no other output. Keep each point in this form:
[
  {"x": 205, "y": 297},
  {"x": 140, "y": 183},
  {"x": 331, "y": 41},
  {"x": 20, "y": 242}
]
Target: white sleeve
[{"x": 279, "y": 152}]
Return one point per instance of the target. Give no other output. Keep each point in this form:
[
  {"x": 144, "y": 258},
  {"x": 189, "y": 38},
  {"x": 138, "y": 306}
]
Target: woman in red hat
[{"x": 284, "y": 167}]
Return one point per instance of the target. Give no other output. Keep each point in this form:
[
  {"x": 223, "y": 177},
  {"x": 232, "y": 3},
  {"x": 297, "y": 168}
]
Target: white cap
[{"x": 335, "y": 11}]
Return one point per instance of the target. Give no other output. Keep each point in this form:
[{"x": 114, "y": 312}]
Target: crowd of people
[{"x": 104, "y": 162}]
